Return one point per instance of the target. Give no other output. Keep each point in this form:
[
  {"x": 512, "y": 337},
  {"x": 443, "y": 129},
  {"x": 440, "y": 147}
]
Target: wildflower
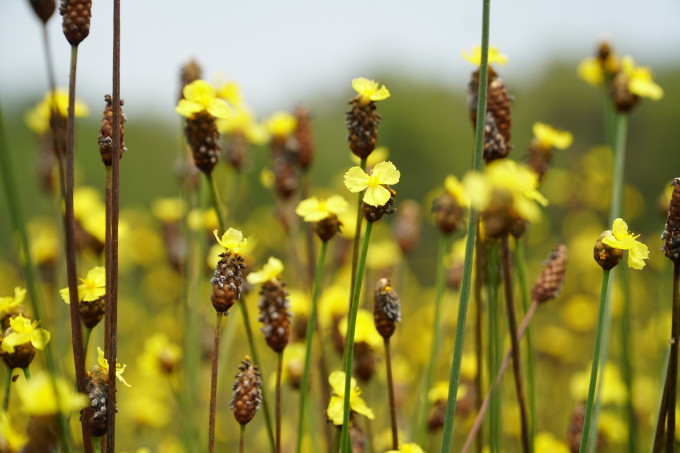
[
  {"x": 37, "y": 395},
  {"x": 274, "y": 305},
  {"x": 271, "y": 271},
  {"x": 281, "y": 124},
  {"x": 293, "y": 364},
  {"x": 475, "y": 57},
  {"x": 449, "y": 207},
  {"x": 160, "y": 356},
  {"x": 632, "y": 83},
  {"x": 324, "y": 212},
  {"x": 547, "y": 443},
  {"x": 540, "y": 153},
  {"x": 367, "y": 341},
  {"x": 9, "y": 304},
  {"x": 336, "y": 404},
  {"x": 227, "y": 279},
  {"x": 408, "y": 448},
  {"x": 104, "y": 366},
  {"x": 190, "y": 72},
  {"x": 362, "y": 120},
  {"x": 620, "y": 238},
  {"x": 38, "y": 118},
  {"x": 383, "y": 174},
  {"x": 11, "y": 440},
  {"x": 231, "y": 240},
  {"x": 21, "y": 340},
  {"x": 247, "y": 392},
  {"x": 369, "y": 90},
  {"x": 200, "y": 96},
  {"x": 594, "y": 69},
  {"x": 93, "y": 286},
  {"x": 168, "y": 210}
]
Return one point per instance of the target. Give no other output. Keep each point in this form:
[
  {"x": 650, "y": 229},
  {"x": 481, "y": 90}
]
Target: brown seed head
[
  {"x": 575, "y": 430},
  {"x": 236, "y": 148},
  {"x": 498, "y": 104},
  {"x": 623, "y": 99},
  {"x": 76, "y": 14},
  {"x": 106, "y": 132},
  {"x": 247, "y": 392},
  {"x": 539, "y": 158},
  {"x": 43, "y": 9},
  {"x": 375, "y": 213},
  {"x": 407, "y": 225},
  {"x": 357, "y": 437},
  {"x": 363, "y": 364},
  {"x": 362, "y": 127},
  {"x": 550, "y": 281},
  {"x": 304, "y": 137},
  {"x": 495, "y": 146},
  {"x": 671, "y": 232},
  {"x": 97, "y": 391},
  {"x": 447, "y": 213},
  {"x": 328, "y": 227},
  {"x": 607, "y": 257},
  {"x": 21, "y": 357},
  {"x": 227, "y": 281},
  {"x": 386, "y": 308},
  {"x": 43, "y": 434},
  {"x": 274, "y": 314},
  {"x": 204, "y": 140},
  {"x": 285, "y": 173},
  {"x": 190, "y": 72},
  {"x": 92, "y": 312}
]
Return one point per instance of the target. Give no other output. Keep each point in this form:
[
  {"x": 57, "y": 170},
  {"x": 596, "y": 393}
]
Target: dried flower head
[
  {"x": 105, "y": 139},
  {"x": 76, "y": 24},
  {"x": 227, "y": 279},
  {"x": 247, "y": 389},
  {"x": 274, "y": 304},
  {"x": 43, "y": 9},
  {"x": 550, "y": 281},
  {"x": 450, "y": 206},
  {"x": 362, "y": 120},
  {"x": 386, "y": 308},
  {"x": 671, "y": 232}
]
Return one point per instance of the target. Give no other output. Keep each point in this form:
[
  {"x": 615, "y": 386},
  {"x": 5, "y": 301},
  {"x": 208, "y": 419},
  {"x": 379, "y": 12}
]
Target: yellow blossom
[
  {"x": 92, "y": 288},
  {"x": 281, "y": 124},
  {"x": 332, "y": 304},
  {"x": 365, "y": 331},
  {"x": 336, "y": 406},
  {"x": 369, "y": 90},
  {"x": 168, "y": 210},
  {"x": 378, "y": 155},
  {"x": 104, "y": 365},
  {"x": 640, "y": 81},
  {"x": 200, "y": 220},
  {"x": 160, "y": 356},
  {"x": 314, "y": 209},
  {"x": 200, "y": 96},
  {"x": 614, "y": 429},
  {"x": 455, "y": 188},
  {"x": 231, "y": 240},
  {"x": 270, "y": 271},
  {"x": 620, "y": 238},
  {"x": 384, "y": 173},
  {"x": 24, "y": 331},
  {"x": 590, "y": 69},
  {"x": 408, "y": 448},
  {"x": 613, "y": 388},
  {"x": 548, "y": 136},
  {"x": 383, "y": 253},
  {"x": 38, "y": 118},
  {"x": 243, "y": 121},
  {"x": 11, "y": 440},
  {"x": 440, "y": 391},
  {"x": 9, "y": 304},
  {"x": 230, "y": 92},
  {"x": 37, "y": 396},
  {"x": 547, "y": 443},
  {"x": 476, "y": 56},
  {"x": 299, "y": 303},
  {"x": 45, "y": 244}
]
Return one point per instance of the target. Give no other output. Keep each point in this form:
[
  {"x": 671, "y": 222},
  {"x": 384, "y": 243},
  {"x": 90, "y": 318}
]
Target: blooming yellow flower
[
  {"x": 369, "y": 90},
  {"x": 314, "y": 209},
  {"x": 640, "y": 81},
  {"x": 168, "y": 210},
  {"x": 37, "y": 396},
  {"x": 620, "y": 238},
  {"x": 242, "y": 121},
  {"x": 230, "y": 92},
  {"x": 9, "y": 304},
  {"x": 384, "y": 173},
  {"x": 548, "y": 136},
  {"x": 547, "y": 443},
  {"x": 408, "y": 448},
  {"x": 455, "y": 188},
  {"x": 365, "y": 331},
  {"x": 590, "y": 69},
  {"x": 160, "y": 356},
  {"x": 11, "y": 440},
  {"x": 24, "y": 331},
  {"x": 92, "y": 288},
  {"x": 476, "y": 56},
  {"x": 281, "y": 124},
  {"x": 104, "y": 365},
  {"x": 270, "y": 271},
  {"x": 357, "y": 404},
  {"x": 200, "y": 96},
  {"x": 38, "y": 118},
  {"x": 231, "y": 240}
]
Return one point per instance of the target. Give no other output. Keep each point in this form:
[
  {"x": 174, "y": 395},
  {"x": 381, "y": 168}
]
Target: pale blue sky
[{"x": 284, "y": 53}]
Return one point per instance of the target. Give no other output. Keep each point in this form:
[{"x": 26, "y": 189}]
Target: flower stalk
[{"x": 213, "y": 382}]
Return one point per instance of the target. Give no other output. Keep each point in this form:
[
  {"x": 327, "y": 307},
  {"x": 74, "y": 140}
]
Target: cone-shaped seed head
[
  {"x": 498, "y": 103},
  {"x": 363, "y": 364},
  {"x": 274, "y": 314},
  {"x": 407, "y": 226},
  {"x": 247, "y": 392},
  {"x": 623, "y": 99},
  {"x": 76, "y": 25},
  {"x": 495, "y": 146},
  {"x": 550, "y": 281},
  {"x": 204, "y": 140},
  {"x": 92, "y": 312},
  {"x": 362, "y": 127},
  {"x": 304, "y": 137},
  {"x": 386, "y": 308},
  {"x": 106, "y": 132},
  {"x": 43, "y": 9},
  {"x": 539, "y": 158},
  {"x": 97, "y": 391},
  {"x": 375, "y": 213},
  {"x": 671, "y": 232},
  {"x": 447, "y": 213},
  {"x": 328, "y": 227},
  {"x": 227, "y": 281}
]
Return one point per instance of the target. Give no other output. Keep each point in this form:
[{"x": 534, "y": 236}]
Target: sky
[{"x": 286, "y": 53}]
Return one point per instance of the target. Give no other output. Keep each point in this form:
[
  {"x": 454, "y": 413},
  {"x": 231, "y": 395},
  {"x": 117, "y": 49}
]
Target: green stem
[
  {"x": 493, "y": 342},
  {"x": 596, "y": 362},
  {"x": 626, "y": 355},
  {"x": 97, "y": 442},
  {"x": 279, "y": 369},
  {"x": 216, "y": 201},
  {"x": 349, "y": 342},
  {"x": 357, "y": 236},
  {"x": 673, "y": 361},
  {"x": 662, "y": 406},
  {"x": 86, "y": 341},
  {"x": 311, "y": 323},
  {"x": 242, "y": 439},
  {"x": 213, "y": 383},
  {"x": 454, "y": 377},
  {"x": 390, "y": 393},
  {"x": 8, "y": 385},
  {"x": 27, "y": 373}
]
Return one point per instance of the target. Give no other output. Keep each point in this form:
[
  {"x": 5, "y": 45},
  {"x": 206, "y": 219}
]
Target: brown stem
[
  {"x": 279, "y": 369},
  {"x": 663, "y": 412},
  {"x": 673, "y": 362},
  {"x": 390, "y": 392},
  {"x": 213, "y": 383},
  {"x": 501, "y": 371}
]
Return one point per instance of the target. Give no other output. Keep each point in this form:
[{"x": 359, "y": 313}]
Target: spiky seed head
[
  {"x": 606, "y": 256},
  {"x": 362, "y": 122},
  {"x": 76, "y": 24},
  {"x": 328, "y": 227},
  {"x": 498, "y": 104},
  {"x": 550, "y": 281},
  {"x": 204, "y": 140},
  {"x": 285, "y": 174},
  {"x": 21, "y": 357},
  {"x": 386, "y": 308},
  {"x": 495, "y": 146},
  {"x": 105, "y": 138},
  {"x": 227, "y": 281},
  {"x": 275, "y": 314},
  {"x": 671, "y": 232},
  {"x": 96, "y": 413},
  {"x": 247, "y": 394}
]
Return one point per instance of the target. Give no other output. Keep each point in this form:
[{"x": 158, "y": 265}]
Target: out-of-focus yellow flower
[
  {"x": 365, "y": 331},
  {"x": 369, "y": 90},
  {"x": 90, "y": 211},
  {"x": 333, "y": 303},
  {"x": 231, "y": 240},
  {"x": 613, "y": 389},
  {"x": 242, "y": 121},
  {"x": 37, "y": 395},
  {"x": 440, "y": 391},
  {"x": 9, "y": 304},
  {"x": 408, "y": 448},
  {"x": 104, "y": 365},
  {"x": 314, "y": 209},
  {"x": 45, "y": 243},
  {"x": 11, "y": 440},
  {"x": 270, "y": 271},
  {"x": 200, "y": 220},
  {"x": 38, "y": 118},
  {"x": 455, "y": 188},
  {"x": 613, "y": 428},
  {"x": 384, "y": 173},
  {"x": 299, "y": 303},
  {"x": 548, "y": 136},
  {"x": 378, "y": 155},
  {"x": 640, "y": 81},
  {"x": 357, "y": 404},
  {"x": 579, "y": 312},
  {"x": 547, "y": 443},
  {"x": 230, "y": 92},
  {"x": 200, "y": 96},
  {"x": 590, "y": 69},
  {"x": 293, "y": 362},
  {"x": 476, "y": 56},
  {"x": 281, "y": 124},
  {"x": 383, "y": 253},
  {"x": 147, "y": 405},
  {"x": 24, "y": 331},
  {"x": 160, "y": 355},
  {"x": 621, "y": 238},
  {"x": 92, "y": 288},
  {"x": 168, "y": 210}
]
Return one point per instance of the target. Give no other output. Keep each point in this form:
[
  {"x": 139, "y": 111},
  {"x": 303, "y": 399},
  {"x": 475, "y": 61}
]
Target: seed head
[
  {"x": 407, "y": 226},
  {"x": 227, "y": 281},
  {"x": 43, "y": 9},
  {"x": 606, "y": 256},
  {"x": 76, "y": 24},
  {"x": 304, "y": 137},
  {"x": 247, "y": 392},
  {"x": 362, "y": 127},
  {"x": 550, "y": 281},
  {"x": 498, "y": 104},
  {"x": 386, "y": 308},
  {"x": 671, "y": 232},
  {"x": 274, "y": 314},
  {"x": 106, "y": 132}
]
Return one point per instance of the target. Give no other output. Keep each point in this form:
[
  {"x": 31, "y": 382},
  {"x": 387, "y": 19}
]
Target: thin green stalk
[
  {"x": 626, "y": 355},
  {"x": 8, "y": 386},
  {"x": 216, "y": 201},
  {"x": 97, "y": 442},
  {"x": 493, "y": 342},
  {"x": 357, "y": 236},
  {"x": 86, "y": 341},
  {"x": 27, "y": 373},
  {"x": 349, "y": 342},
  {"x": 242, "y": 439},
  {"x": 279, "y": 370},
  {"x": 213, "y": 383},
  {"x": 480, "y": 276},
  {"x": 596, "y": 362},
  {"x": 521, "y": 263},
  {"x": 311, "y": 323},
  {"x": 662, "y": 406},
  {"x": 435, "y": 346},
  {"x": 454, "y": 378},
  {"x": 390, "y": 392}
]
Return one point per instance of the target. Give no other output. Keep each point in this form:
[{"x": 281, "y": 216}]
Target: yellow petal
[
  {"x": 270, "y": 271},
  {"x": 549, "y": 136},
  {"x": 477, "y": 189},
  {"x": 386, "y": 173},
  {"x": 455, "y": 188},
  {"x": 590, "y": 70},
  {"x": 337, "y": 382},
  {"x": 336, "y": 204},
  {"x": 40, "y": 338},
  {"x": 637, "y": 255},
  {"x": 645, "y": 87},
  {"x": 381, "y": 94},
  {"x": 219, "y": 108},
  {"x": 356, "y": 179},
  {"x": 200, "y": 92},
  {"x": 308, "y": 209},
  {"x": 620, "y": 229},
  {"x": 364, "y": 86},
  {"x": 359, "y": 406},
  {"x": 188, "y": 108},
  {"x": 476, "y": 56},
  {"x": 335, "y": 410},
  {"x": 377, "y": 196},
  {"x": 231, "y": 240}
]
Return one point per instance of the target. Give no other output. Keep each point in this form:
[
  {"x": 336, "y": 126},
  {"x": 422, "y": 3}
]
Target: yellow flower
[
  {"x": 640, "y": 81},
  {"x": 232, "y": 240},
  {"x": 369, "y": 91},
  {"x": 37, "y": 396},
  {"x": 408, "y": 448},
  {"x": 620, "y": 238},
  {"x": 594, "y": 69},
  {"x": 365, "y": 331},
  {"x": 104, "y": 365},
  {"x": 385, "y": 173},
  {"x": 332, "y": 304},
  {"x": 313, "y": 209},
  {"x": 11, "y": 440},
  {"x": 281, "y": 124},
  {"x": 547, "y": 443},
  {"x": 243, "y": 121},
  {"x": 24, "y": 331},
  {"x": 38, "y": 118},
  {"x": 613, "y": 388},
  {"x": 548, "y": 136},
  {"x": 336, "y": 406},
  {"x": 45, "y": 244},
  {"x": 168, "y": 210},
  {"x": 160, "y": 356},
  {"x": 200, "y": 96},
  {"x": 455, "y": 188},
  {"x": 92, "y": 288},
  {"x": 440, "y": 391},
  {"x": 299, "y": 303},
  {"x": 230, "y": 92},
  {"x": 378, "y": 155},
  {"x": 476, "y": 56},
  {"x": 9, "y": 304},
  {"x": 270, "y": 271}
]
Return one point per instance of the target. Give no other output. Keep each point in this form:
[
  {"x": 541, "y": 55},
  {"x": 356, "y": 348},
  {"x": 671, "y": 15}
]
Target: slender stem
[
  {"x": 454, "y": 377},
  {"x": 279, "y": 369},
  {"x": 216, "y": 201},
  {"x": 390, "y": 392},
  {"x": 97, "y": 442},
  {"x": 213, "y": 383},
  {"x": 27, "y": 373},
  {"x": 349, "y": 341},
  {"x": 242, "y": 439},
  {"x": 662, "y": 406},
  {"x": 480, "y": 276},
  {"x": 626, "y": 355},
  {"x": 596, "y": 362},
  {"x": 86, "y": 341},
  {"x": 8, "y": 385},
  {"x": 435, "y": 346},
  {"x": 516, "y": 362},
  {"x": 357, "y": 237},
  {"x": 494, "y": 343},
  {"x": 309, "y": 229},
  {"x": 673, "y": 361},
  {"x": 311, "y": 323}
]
